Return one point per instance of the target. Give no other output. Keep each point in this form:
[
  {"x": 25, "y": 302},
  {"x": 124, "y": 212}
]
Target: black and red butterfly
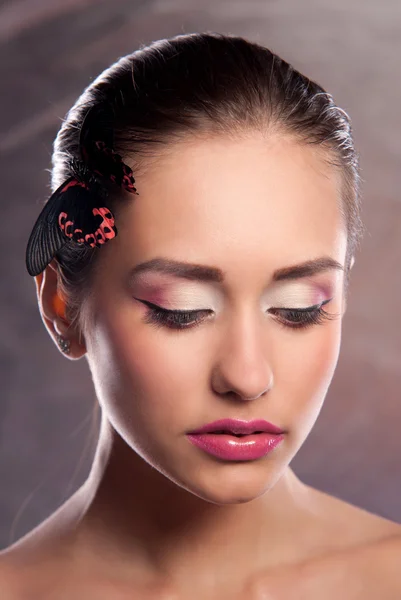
[{"x": 76, "y": 212}]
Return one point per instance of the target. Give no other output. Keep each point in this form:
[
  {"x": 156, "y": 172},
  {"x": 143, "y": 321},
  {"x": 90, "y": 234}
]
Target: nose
[{"x": 243, "y": 367}]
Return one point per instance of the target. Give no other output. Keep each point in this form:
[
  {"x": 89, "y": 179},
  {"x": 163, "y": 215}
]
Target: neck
[{"x": 134, "y": 512}]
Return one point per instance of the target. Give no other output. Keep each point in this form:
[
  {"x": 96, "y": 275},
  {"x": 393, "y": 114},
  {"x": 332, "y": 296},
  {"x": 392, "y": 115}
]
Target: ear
[{"x": 52, "y": 310}]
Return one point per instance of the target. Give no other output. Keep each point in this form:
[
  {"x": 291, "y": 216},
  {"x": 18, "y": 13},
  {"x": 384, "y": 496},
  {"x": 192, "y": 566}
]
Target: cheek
[
  {"x": 307, "y": 371},
  {"x": 142, "y": 374}
]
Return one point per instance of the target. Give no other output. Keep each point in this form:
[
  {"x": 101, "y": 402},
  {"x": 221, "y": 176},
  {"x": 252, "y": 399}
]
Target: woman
[{"x": 197, "y": 251}]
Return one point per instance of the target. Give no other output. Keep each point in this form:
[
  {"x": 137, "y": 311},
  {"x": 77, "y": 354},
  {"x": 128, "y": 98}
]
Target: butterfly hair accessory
[{"x": 77, "y": 211}]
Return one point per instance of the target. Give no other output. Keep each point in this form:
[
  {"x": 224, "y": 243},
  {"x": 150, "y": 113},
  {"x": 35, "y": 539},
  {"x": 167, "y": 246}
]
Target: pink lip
[
  {"x": 237, "y": 426},
  {"x": 229, "y": 447}
]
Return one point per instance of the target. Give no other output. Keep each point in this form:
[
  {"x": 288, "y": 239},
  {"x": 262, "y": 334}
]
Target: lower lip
[{"x": 231, "y": 447}]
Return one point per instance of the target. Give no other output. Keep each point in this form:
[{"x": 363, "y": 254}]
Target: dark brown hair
[{"x": 202, "y": 84}]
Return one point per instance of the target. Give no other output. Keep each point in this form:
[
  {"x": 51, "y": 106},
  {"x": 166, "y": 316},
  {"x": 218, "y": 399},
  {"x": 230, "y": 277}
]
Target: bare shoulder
[
  {"x": 365, "y": 572},
  {"x": 381, "y": 559},
  {"x": 29, "y": 569},
  {"x": 351, "y": 525},
  {"x": 10, "y": 581},
  {"x": 34, "y": 564},
  {"x": 36, "y": 578},
  {"x": 363, "y": 561}
]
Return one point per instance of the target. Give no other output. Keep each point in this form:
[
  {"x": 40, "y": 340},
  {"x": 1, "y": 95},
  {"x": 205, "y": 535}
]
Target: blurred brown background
[{"x": 49, "y": 52}]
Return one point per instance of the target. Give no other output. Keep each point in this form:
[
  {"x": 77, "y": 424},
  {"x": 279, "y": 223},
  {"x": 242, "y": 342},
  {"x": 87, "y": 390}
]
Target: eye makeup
[
  {"x": 290, "y": 318},
  {"x": 186, "y": 295},
  {"x": 297, "y": 294},
  {"x": 179, "y": 295},
  {"x": 185, "y": 305}
]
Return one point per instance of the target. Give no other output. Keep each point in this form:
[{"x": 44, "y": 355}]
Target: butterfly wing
[
  {"x": 93, "y": 223},
  {"x": 73, "y": 212},
  {"x": 47, "y": 238}
]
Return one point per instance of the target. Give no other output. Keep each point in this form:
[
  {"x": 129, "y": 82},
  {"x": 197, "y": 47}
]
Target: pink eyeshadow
[
  {"x": 157, "y": 293},
  {"x": 322, "y": 292}
]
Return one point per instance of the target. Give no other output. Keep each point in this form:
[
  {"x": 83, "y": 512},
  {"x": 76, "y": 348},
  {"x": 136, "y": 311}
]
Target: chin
[{"x": 229, "y": 483}]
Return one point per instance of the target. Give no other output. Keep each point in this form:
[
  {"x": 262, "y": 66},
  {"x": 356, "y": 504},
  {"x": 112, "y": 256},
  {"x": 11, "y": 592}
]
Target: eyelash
[{"x": 300, "y": 318}]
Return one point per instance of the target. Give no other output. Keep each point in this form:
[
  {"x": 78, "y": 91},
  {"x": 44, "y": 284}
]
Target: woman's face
[{"x": 248, "y": 208}]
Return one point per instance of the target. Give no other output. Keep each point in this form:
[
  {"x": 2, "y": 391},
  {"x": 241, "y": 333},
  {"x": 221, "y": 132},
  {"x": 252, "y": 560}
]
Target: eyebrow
[{"x": 196, "y": 272}]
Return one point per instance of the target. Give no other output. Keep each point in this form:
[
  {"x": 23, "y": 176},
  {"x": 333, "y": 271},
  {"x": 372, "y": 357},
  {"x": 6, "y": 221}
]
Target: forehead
[{"x": 218, "y": 201}]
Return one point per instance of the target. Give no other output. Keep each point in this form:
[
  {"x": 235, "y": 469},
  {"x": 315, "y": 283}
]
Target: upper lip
[{"x": 238, "y": 426}]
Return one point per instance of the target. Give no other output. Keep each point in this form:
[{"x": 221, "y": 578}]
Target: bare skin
[{"x": 158, "y": 517}]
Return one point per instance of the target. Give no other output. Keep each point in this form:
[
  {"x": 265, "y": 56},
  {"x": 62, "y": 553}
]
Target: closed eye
[{"x": 293, "y": 318}]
